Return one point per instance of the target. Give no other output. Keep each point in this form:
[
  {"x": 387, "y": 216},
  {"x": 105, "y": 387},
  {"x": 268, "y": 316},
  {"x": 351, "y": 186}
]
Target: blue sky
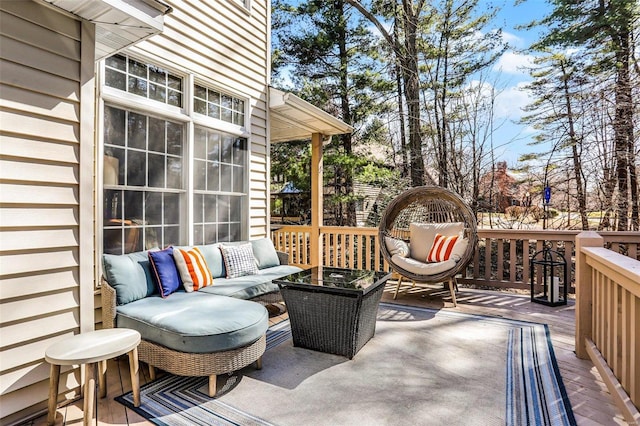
[{"x": 512, "y": 76}]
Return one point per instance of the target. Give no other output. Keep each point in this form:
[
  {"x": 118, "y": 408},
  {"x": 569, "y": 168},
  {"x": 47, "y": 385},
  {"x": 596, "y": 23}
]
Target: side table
[{"x": 93, "y": 348}]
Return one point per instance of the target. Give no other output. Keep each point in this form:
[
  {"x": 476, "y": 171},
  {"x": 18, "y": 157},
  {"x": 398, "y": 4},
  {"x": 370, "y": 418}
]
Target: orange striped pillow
[
  {"x": 193, "y": 269},
  {"x": 442, "y": 247}
]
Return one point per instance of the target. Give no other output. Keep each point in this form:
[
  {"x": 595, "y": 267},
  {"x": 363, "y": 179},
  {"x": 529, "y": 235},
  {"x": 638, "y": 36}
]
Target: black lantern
[{"x": 554, "y": 280}]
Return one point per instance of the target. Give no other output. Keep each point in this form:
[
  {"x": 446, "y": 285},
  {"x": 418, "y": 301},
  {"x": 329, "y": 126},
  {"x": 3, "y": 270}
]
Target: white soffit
[
  {"x": 119, "y": 23},
  {"x": 293, "y": 118}
]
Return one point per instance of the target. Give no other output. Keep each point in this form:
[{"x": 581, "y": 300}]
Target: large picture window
[{"x": 148, "y": 179}]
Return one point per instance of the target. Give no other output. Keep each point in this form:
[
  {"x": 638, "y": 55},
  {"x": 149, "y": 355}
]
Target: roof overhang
[
  {"x": 293, "y": 118},
  {"x": 119, "y": 23}
]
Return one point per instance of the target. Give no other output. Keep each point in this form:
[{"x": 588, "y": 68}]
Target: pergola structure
[{"x": 292, "y": 118}]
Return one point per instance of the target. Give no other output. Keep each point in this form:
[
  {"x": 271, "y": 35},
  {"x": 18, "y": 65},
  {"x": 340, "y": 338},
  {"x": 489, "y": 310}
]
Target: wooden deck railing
[
  {"x": 501, "y": 260},
  {"x": 608, "y": 319}
]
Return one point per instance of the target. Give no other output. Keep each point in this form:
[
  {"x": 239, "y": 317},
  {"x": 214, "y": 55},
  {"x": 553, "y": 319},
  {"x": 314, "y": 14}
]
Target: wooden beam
[{"x": 317, "y": 209}]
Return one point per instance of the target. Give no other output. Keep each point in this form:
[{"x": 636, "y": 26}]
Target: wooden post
[
  {"x": 584, "y": 295},
  {"x": 317, "y": 209}
]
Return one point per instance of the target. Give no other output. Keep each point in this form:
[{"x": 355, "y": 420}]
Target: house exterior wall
[
  {"x": 50, "y": 166},
  {"x": 46, "y": 196}
]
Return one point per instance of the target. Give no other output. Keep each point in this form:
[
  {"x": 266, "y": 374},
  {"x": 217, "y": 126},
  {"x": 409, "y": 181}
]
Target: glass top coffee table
[{"x": 333, "y": 310}]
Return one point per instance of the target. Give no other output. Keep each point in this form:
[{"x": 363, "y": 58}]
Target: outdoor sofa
[{"x": 205, "y": 325}]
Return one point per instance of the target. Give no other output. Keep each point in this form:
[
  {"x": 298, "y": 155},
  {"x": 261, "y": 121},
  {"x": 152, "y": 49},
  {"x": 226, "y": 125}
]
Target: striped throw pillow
[
  {"x": 193, "y": 269},
  {"x": 442, "y": 248}
]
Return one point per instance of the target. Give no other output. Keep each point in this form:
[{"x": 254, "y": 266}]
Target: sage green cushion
[
  {"x": 195, "y": 322},
  {"x": 213, "y": 257},
  {"x": 265, "y": 253},
  {"x": 130, "y": 276},
  {"x": 250, "y": 286}
]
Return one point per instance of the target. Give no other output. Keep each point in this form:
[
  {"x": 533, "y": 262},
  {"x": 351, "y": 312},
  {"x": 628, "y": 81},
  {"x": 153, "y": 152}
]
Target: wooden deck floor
[{"x": 591, "y": 402}]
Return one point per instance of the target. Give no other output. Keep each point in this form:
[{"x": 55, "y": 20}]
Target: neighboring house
[
  {"x": 502, "y": 188},
  {"x": 124, "y": 125}
]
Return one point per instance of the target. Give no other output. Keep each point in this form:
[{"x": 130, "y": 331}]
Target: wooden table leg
[
  {"x": 102, "y": 378},
  {"x": 89, "y": 392},
  {"x": 54, "y": 380},
  {"x": 135, "y": 382}
]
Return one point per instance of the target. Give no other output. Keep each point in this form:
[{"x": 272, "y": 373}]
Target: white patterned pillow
[
  {"x": 396, "y": 246},
  {"x": 239, "y": 260}
]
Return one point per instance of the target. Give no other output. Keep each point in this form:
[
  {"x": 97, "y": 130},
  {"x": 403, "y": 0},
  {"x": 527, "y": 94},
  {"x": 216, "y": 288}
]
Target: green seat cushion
[
  {"x": 250, "y": 286},
  {"x": 195, "y": 322},
  {"x": 130, "y": 276}
]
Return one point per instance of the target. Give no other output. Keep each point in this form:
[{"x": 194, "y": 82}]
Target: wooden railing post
[
  {"x": 317, "y": 209},
  {"x": 584, "y": 291}
]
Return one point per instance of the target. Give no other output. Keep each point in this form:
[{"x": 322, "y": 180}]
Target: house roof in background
[
  {"x": 119, "y": 23},
  {"x": 293, "y": 118}
]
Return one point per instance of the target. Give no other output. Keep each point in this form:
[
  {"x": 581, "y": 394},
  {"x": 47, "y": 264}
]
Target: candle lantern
[{"x": 549, "y": 278}]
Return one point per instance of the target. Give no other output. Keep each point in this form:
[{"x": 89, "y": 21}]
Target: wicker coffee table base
[{"x": 332, "y": 323}]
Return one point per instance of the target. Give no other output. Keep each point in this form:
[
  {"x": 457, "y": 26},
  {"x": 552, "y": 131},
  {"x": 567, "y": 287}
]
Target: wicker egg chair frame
[{"x": 427, "y": 204}]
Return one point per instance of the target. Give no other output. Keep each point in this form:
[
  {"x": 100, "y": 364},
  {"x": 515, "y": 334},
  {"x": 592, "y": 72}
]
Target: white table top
[{"x": 92, "y": 346}]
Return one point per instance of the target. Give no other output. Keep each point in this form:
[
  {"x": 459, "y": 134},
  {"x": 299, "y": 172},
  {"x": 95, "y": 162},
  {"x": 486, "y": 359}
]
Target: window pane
[
  {"x": 136, "y": 168},
  {"x": 157, "y": 93},
  {"x": 174, "y": 138},
  {"x": 211, "y": 208},
  {"x": 235, "y": 232},
  {"x": 174, "y": 172},
  {"x": 115, "y": 79},
  {"x": 200, "y": 175},
  {"x": 112, "y": 205},
  {"x": 172, "y": 209},
  {"x": 151, "y": 237},
  {"x": 175, "y": 82},
  {"x": 112, "y": 241},
  {"x": 223, "y": 232},
  {"x": 114, "y": 126},
  {"x": 227, "y": 149},
  {"x": 174, "y": 98},
  {"x": 227, "y": 102},
  {"x": 198, "y": 208},
  {"x": 133, "y": 207},
  {"x": 214, "y": 111},
  {"x": 137, "y": 68},
  {"x": 171, "y": 236},
  {"x": 137, "y": 130},
  {"x": 200, "y": 106},
  {"x": 156, "y": 134},
  {"x": 239, "y": 151},
  {"x": 153, "y": 208},
  {"x": 157, "y": 75},
  {"x": 236, "y": 207},
  {"x": 214, "y": 147},
  {"x": 211, "y": 234},
  {"x": 223, "y": 208},
  {"x": 226, "y": 178},
  {"x": 117, "y": 61},
  {"x": 156, "y": 170},
  {"x": 226, "y": 115},
  {"x": 200, "y": 92},
  {"x": 213, "y": 177},
  {"x": 114, "y": 165},
  {"x": 200, "y": 144},
  {"x": 137, "y": 86},
  {"x": 238, "y": 179},
  {"x": 198, "y": 234}
]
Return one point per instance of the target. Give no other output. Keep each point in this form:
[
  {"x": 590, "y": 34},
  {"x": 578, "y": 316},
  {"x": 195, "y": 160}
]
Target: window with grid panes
[{"x": 146, "y": 169}]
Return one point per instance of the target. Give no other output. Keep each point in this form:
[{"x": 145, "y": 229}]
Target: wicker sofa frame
[
  {"x": 427, "y": 204},
  {"x": 185, "y": 363}
]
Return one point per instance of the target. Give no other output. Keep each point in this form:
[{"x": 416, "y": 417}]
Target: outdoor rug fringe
[{"x": 530, "y": 390}]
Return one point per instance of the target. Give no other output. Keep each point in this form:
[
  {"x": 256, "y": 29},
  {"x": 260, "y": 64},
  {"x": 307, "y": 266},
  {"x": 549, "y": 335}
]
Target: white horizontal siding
[{"x": 40, "y": 210}]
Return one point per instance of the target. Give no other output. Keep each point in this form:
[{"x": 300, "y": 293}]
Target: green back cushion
[
  {"x": 213, "y": 257},
  {"x": 130, "y": 275},
  {"x": 265, "y": 253}
]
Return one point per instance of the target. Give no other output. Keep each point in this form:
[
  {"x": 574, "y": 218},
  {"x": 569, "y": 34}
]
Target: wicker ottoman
[{"x": 333, "y": 310}]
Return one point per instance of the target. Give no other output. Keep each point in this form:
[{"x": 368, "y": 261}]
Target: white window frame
[
  {"x": 244, "y": 5},
  {"x": 185, "y": 114}
]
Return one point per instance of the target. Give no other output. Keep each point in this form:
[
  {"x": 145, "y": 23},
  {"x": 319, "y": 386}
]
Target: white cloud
[
  {"x": 512, "y": 39},
  {"x": 509, "y": 103},
  {"x": 513, "y": 63}
]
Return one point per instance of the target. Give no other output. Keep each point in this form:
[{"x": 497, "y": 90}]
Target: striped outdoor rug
[{"x": 423, "y": 366}]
